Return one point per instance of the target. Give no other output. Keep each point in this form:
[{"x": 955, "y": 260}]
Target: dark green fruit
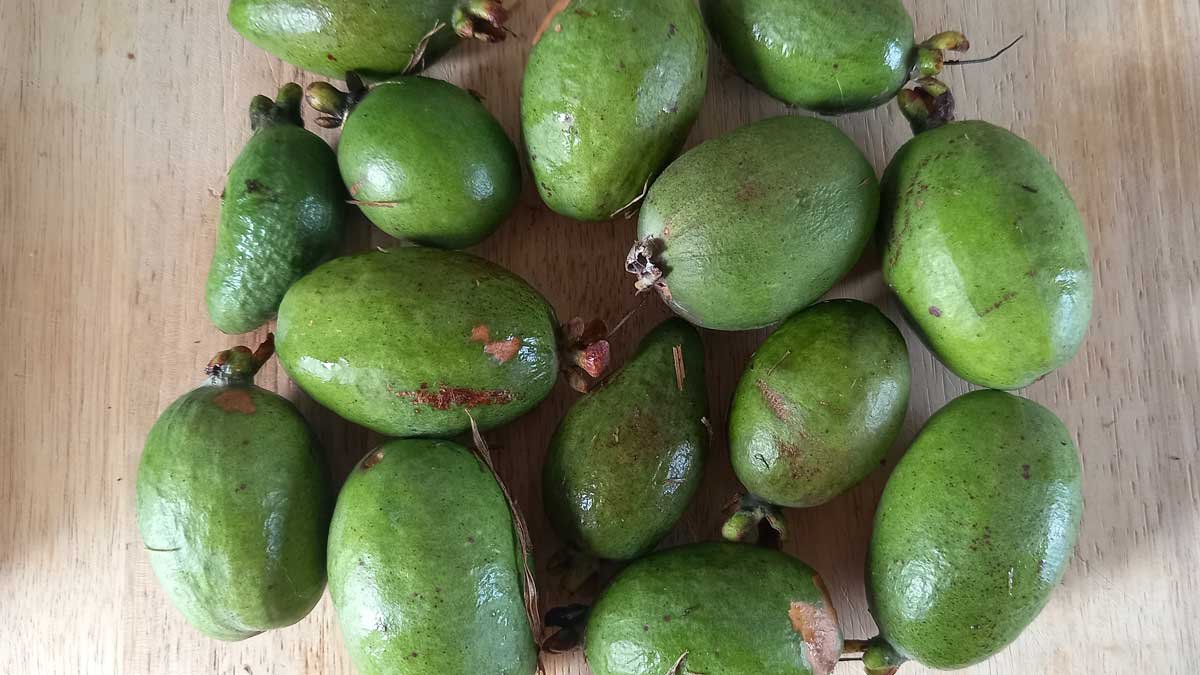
[
  {"x": 986, "y": 250},
  {"x": 721, "y": 608},
  {"x": 628, "y": 457},
  {"x": 825, "y": 55},
  {"x": 974, "y": 530},
  {"x": 748, "y": 228},
  {"x": 425, "y": 570},
  {"x": 820, "y": 404},
  {"x": 376, "y": 38},
  {"x": 281, "y": 215},
  {"x": 233, "y": 504},
  {"x": 411, "y": 341},
  {"x": 423, "y": 159},
  {"x": 610, "y": 92}
]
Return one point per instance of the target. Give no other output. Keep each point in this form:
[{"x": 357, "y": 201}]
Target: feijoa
[
  {"x": 281, "y": 215},
  {"x": 233, "y": 504}
]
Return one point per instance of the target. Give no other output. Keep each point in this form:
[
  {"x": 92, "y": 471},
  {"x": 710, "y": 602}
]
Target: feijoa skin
[
  {"x": 233, "y": 505},
  {"x": 628, "y": 457},
  {"x": 408, "y": 341},
  {"x": 611, "y": 90},
  {"x": 831, "y": 56},
  {"x": 281, "y": 215},
  {"x": 974, "y": 530},
  {"x": 376, "y": 38},
  {"x": 987, "y": 252},
  {"x": 427, "y": 163},
  {"x": 746, "y": 229},
  {"x": 714, "y": 607},
  {"x": 820, "y": 404},
  {"x": 425, "y": 570}
]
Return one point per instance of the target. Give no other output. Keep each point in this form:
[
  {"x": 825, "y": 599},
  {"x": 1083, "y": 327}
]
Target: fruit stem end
[
  {"x": 285, "y": 109},
  {"x": 751, "y": 515},
  {"x": 239, "y": 365}
]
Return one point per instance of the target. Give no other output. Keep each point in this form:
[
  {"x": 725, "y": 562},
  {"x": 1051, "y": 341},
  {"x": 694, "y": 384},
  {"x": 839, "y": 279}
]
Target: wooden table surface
[{"x": 123, "y": 115}]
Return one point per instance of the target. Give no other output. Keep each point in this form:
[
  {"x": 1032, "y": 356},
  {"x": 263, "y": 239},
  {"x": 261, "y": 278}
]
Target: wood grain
[{"x": 123, "y": 116}]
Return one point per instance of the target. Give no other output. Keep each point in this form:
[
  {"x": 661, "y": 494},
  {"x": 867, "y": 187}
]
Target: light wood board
[{"x": 122, "y": 117}]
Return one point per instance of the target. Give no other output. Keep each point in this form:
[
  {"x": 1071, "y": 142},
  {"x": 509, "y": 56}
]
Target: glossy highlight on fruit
[
  {"x": 414, "y": 342},
  {"x": 986, "y": 250},
  {"x": 610, "y": 92},
  {"x": 233, "y": 504},
  {"x": 628, "y": 457},
  {"x": 425, "y": 570},
  {"x": 974, "y": 530}
]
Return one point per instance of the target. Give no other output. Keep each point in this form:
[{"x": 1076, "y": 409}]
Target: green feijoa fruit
[
  {"x": 281, "y": 215},
  {"x": 714, "y": 608},
  {"x": 748, "y": 228},
  {"x": 974, "y": 530},
  {"x": 426, "y": 571},
  {"x": 832, "y": 56},
  {"x": 423, "y": 159},
  {"x": 611, "y": 90},
  {"x": 376, "y": 38},
  {"x": 233, "y": 504},
  {"x": 415, "y": 341},
  {"x": 987, "y": 252},
  {"x": 820, "y": 404},
  {"x": 628, "y": 457}
]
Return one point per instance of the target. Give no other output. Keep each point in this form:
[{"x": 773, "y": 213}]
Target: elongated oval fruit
[
  {"x": 425, "y": 571},
  {"x": 411, "y": 341},
  {"x": 628, "y": 457},
  {"x": 974, "y": 530},
  {"x": 986, "y": 250},
  {"x": 281, "y": 215},
  {"x": 423, "y": 159},
  {"x": 748, "y": 228},
  {"x": 832, "y": 56},
  {"x": 611, "y": 90},
  {"x": 820, "y": 404},
  {"x": 714, "y": 608},
  {"x": 376, "y": 38},
  {"x": 233, "y": 504}
]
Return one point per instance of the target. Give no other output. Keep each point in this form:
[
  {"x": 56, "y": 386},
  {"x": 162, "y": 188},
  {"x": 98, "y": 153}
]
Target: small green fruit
[
  {"x": 233, "y": 504},
  {"x": 610, "y": 92},
  {"x": 714, "y": 608},
  {"x": 425, "y": 570},
  {"x": 281, "y": 215},
  {"x": 986, "y": 250},
  {"x": 974, "y": 530},
  {"x": 415, "y": 341},
  {"x": 628, "y": 457},
  {"x": 748, "y": 228}
]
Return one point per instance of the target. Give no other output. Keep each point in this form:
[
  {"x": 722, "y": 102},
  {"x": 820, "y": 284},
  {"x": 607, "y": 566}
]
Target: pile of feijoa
[{"x": 427, "y": 558}]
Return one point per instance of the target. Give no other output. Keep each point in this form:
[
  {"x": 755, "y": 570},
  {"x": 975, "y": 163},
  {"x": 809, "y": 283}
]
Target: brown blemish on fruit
[
  {"x": 235, "y": 401},
  {"x": 505, "y": 350},
  {"x": 1008, "y": 295},
  {"x": 1025, "y": 471},
  {"x": 680, "y": 373},
  {"x": 253, "y": 186},
  {"x": 775, "y": 401},
  {"x": 330, "y": 57},
  {"x": 445, "y": 398},
  {"x": 554, "y": 12},
  {"x": 935, "y": 311},
  {"x": 818, "y": 628},
  {"x": 748, "y": 192},
  {"x": 354, "y": 189},
  {"x": 372, "y": 459},
  {"x": 480, "y": 333}
]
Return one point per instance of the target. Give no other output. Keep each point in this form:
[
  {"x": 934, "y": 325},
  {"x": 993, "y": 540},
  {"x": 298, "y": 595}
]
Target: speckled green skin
[
  {"x": 233, "y": 506},
  {"x": 392, "y": 341},
  {"x": 439, "y": 159},
  {"x": 974, "y": 529},
  {"x": 820, "y": 404},
  {"x": 281, "y": 216},
  {"x": 610, "y": 92},
  {"x": 375, "y": 38},
  {"x": 759, "y": 223},
  {"x": 832, "y": 56},
  {"x": 986, "y": 250},
  {"x": 725, "y": 605},
  {"x": 423, "y": 566},
  {"x": 628, "y": 457}
]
